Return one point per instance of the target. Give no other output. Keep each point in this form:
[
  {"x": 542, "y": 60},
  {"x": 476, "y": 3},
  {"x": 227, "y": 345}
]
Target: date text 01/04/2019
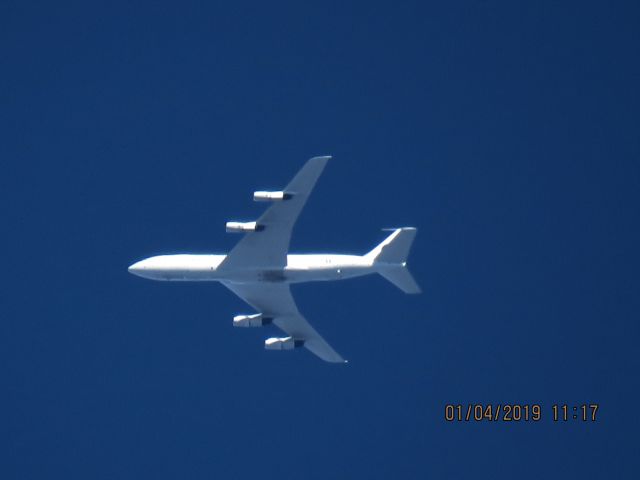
[{"x": 479, "y": 412}]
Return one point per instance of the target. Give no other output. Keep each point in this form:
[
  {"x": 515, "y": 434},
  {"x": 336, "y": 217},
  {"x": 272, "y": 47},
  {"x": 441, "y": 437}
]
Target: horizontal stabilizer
[{"x": 401, "y": 277}]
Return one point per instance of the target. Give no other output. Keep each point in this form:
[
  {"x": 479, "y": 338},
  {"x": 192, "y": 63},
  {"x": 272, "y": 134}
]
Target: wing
[
  {"x": 275, "y": 300},
  {"x": 269, "y": 247}
]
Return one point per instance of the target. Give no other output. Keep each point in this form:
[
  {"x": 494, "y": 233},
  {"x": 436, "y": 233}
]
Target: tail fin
[{"x": 391, "y": 258}]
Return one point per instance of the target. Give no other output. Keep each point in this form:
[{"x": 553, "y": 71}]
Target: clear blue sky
[{"x": 506, "y": 132}]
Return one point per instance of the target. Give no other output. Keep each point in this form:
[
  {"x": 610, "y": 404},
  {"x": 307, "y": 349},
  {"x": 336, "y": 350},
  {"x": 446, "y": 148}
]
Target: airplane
[{"x": 259, "y": 269}]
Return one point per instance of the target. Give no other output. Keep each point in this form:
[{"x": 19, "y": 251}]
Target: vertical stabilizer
[{"x": 391, "y": 259}]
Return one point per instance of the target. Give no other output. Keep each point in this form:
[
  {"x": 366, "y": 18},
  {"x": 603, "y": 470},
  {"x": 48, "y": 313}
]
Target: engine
[
  {"x": 285, "y": 343},
  {"x": 256, "y": 320},
  {"x": 244, "y": 227},
  {"x": 270, "y": 196}
]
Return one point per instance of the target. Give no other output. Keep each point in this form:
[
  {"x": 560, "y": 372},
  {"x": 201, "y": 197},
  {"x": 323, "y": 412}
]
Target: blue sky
[{"x": 507, "y": 133}]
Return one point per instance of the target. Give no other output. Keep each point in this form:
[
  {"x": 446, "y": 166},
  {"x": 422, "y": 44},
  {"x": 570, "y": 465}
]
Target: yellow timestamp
[
  {"x": 584, "y": 412},
  {"x": 516, "y": 412}
]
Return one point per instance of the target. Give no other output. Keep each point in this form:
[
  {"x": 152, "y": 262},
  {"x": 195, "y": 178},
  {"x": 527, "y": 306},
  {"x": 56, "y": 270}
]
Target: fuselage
[{"x": 299, "y": 268}]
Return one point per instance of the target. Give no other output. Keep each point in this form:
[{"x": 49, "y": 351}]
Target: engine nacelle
[
  {"x": 271, "y": 196},
  {"x": 243, "y": 227},
  {"x": 256, "y": 320},
  {"x": 284, "y": 343}
]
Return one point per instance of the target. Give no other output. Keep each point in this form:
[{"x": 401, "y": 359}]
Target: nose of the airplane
[{"x": 136, "y": 268}]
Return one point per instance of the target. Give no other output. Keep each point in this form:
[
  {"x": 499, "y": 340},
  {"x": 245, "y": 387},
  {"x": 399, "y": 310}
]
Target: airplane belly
[
  {"x": 253, "y": 276},
  {"x": 296, "y": 275},
  {"x": 186, "y": 276}
]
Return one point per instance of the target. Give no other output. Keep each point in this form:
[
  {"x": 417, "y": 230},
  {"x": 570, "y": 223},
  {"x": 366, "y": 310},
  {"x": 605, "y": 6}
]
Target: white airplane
[{"x": 259, "y": 269}]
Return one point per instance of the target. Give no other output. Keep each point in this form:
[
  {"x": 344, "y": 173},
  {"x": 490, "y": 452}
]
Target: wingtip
[
  {"x": 324, "y": 158},
  {"x": 393, "y": 229}
]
